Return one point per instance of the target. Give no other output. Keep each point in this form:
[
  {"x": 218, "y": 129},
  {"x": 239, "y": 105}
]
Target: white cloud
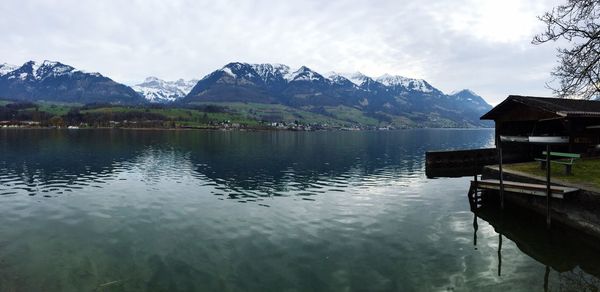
[
  {"x": 507, "y": 21},
  {"x": 482, "y": 45}
]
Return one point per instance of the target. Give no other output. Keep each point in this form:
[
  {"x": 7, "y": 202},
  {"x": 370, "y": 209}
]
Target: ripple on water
[{"x": 203, "y": 209}]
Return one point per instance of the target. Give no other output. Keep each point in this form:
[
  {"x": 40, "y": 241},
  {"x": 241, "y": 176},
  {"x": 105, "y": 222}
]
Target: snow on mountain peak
[
  {"x": 463, "y": 91},
  {"x": 335, "y": 77},
  {"x": 151, "y": 79},
  {"x": 39, "y": 71},
  {"x": 355, "y": 77},
  {"x": 387, "y": 80},
  {"x": 409, "y": 83},
  {"x": 229, "y": 71},
  {"x": 54, "y": 68},
  {"x": 391, "y": 80},
  {"x": 50, "y": 63},
  {"x": 6, "y": 68},
  {"x": 468, "y": 95},
  {"x": 267, "y": 71},
  {"x": 304, "y": 74},
  {"x": 270, "y": 73},
  {"x": 157, "y": 90},
  {"x": 340, "y": 79},
  {"x": 237, "y": 69},
  {"x": 33, "y": 67}
]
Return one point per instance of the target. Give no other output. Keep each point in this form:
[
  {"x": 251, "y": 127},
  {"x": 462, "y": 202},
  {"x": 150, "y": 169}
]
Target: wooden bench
[{"x": 566, "y": 159}]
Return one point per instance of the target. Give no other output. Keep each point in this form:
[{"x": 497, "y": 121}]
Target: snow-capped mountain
[
  {"x": 356, "y": 78},
  {"x": 272, "y": 72},
  {"x": 470, "y": 97},
  {"x": 156, "y": 90},
  {"x": 268, "y": 74},
  {"x": 305, "y": 74},
  {"x": 54, "y": 81},
  {"x": 394, "y": 81},
  {"x": 7, "y": 68},
  {"x": 39, "y": 71},
  {"x": 390, "y": 81},
  {"x": 303, "y": 87}
]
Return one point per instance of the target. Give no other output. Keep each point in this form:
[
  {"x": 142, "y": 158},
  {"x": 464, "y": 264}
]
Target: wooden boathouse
[
  {"x": 528, "y": 128},
  {"x": 524, "y": 116},
  {"x": 541, "y": 116}
]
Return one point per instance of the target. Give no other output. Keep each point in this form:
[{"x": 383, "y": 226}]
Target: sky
[{"x": 482, "y": 45}]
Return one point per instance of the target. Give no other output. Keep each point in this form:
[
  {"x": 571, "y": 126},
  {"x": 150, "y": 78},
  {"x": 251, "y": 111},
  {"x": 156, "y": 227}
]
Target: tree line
[{"x": 21, "y": 112}]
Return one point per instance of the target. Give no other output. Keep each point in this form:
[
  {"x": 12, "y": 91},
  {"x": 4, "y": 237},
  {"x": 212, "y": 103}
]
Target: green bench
[{"x": 566, "y": 159}]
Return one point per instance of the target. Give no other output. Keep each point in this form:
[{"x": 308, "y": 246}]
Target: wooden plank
[
  {"x": 548, "y": 139},
  {"x": 530, "y": 185},
  {"x": 525, "y": 188},
  {"x": 520, "y": 191}
]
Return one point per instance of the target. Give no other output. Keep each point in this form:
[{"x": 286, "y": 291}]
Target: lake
[{"x": 127, "y": 210}]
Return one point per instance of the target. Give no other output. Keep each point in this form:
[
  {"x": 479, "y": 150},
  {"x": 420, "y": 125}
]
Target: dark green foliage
[{"x": 20, "y": 105}]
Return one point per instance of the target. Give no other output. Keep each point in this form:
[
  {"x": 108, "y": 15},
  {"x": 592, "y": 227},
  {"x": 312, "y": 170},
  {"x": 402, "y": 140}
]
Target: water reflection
[
  {"x": 242, "y": 166},
  {"x": 572, "y": 256},
  {"x": 235, "y": 211}
]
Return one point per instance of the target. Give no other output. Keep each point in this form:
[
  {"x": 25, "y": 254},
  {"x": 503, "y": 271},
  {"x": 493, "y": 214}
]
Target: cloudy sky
[{"x": 483, "y": 45}]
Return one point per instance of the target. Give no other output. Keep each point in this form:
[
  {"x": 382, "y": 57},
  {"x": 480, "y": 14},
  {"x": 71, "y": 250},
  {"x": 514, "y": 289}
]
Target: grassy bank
[{"x": 585, "y": 171}]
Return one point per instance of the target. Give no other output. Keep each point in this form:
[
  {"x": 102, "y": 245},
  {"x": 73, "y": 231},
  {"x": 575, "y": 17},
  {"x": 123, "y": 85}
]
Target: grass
[
  {"x": 351, "y": 115},
  {"x": 277, "y": 112},
  {"x": 53, "y": 108},
  {"x": 57, "y": 109},
  {"x": 186, "y": 117},
  {"x": 585, "y": 171},
  {"x": 342, "y": 116},
  {"x": 251, "y": 114}
]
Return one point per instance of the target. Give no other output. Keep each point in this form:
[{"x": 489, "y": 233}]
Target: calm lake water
[{"x": 124, "y": 210}]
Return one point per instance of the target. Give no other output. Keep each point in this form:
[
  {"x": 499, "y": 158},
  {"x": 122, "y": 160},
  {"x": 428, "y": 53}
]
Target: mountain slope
[
  {"x": 386, "y": 98},
  {"x": 156, "y": 90},
  {"x": 54, "y": 81}
]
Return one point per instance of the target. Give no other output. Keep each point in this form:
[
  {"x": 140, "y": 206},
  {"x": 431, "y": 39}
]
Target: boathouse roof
[{"x": 545, "y": 107}]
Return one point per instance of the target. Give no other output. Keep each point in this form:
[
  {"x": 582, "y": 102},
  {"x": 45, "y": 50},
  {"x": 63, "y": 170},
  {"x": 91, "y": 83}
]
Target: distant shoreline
[{"x": 234, "y": 129}]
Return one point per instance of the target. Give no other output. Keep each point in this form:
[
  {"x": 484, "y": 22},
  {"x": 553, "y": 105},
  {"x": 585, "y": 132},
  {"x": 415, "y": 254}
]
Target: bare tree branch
[{"x": 578, "y": 70}]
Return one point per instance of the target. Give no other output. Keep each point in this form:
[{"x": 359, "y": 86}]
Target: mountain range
[
  {"x": 387, "y": 98},
  {"x": 54, "y": 81}
]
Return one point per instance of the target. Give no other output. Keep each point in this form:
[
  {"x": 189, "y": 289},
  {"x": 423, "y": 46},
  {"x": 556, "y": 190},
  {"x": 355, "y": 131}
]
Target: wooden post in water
[
  {"x": 501, "y": 176},
  {"x": 548, "y": 190},
  {"x": 475, "y": 199},
  {"x": 546, "y": 276},
  {"x": 499, "y": 254},
  {"x": 475, "y": 228}
]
